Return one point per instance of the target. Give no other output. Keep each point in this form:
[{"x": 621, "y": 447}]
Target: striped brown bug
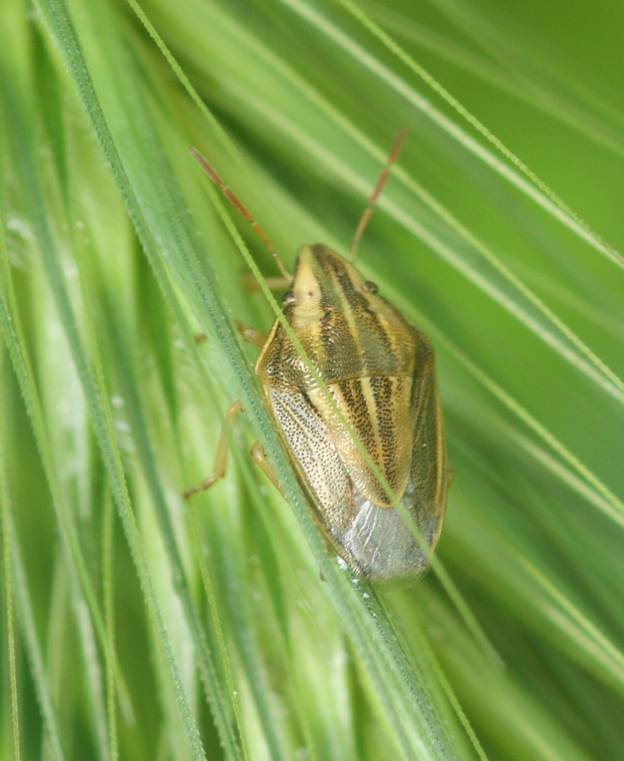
[{"x": 378, "y": 373}]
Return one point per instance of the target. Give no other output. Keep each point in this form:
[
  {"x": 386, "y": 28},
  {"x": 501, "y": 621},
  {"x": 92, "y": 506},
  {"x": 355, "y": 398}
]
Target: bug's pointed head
[{"x": 324, "y": 280}]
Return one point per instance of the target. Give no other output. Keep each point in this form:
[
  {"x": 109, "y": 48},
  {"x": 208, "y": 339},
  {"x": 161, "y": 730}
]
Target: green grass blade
[
  {"x": 507, "y": 81},
  {"x": 108, "y": 541},
  {"x": 5, "y": 506},
  {"x": 33, "y": 650},
  {"x": 95, "y": 399},
  {"x": 537, "y": 190},
  {"x": 216, "y": 693}
]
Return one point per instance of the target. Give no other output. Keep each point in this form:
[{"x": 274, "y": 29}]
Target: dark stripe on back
[
  {"x": 361, "y": 414},
  {"x": 382, "y": 394},
  {"x": 359, "y": 304},
  {"x": 338, "y": 340}
]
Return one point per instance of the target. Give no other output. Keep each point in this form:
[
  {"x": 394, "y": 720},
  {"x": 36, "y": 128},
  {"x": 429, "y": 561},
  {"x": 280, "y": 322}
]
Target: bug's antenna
[
  {"x": 397, "y": 146},
  {"x": 238, "y": 204}
]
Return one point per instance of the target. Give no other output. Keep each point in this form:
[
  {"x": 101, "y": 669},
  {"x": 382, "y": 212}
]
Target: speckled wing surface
[{"x": 372, "y": 538}]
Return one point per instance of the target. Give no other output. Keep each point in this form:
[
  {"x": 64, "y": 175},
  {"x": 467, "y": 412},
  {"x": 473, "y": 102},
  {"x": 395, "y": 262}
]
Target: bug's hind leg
[{"x": 221, "y": 456}]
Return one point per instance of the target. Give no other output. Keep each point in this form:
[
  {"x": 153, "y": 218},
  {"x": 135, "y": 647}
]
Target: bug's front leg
[
  {"x": 221, "y": 457},
  {"x": 252, "y": 335},
  {"x": 273, "y": 283}
]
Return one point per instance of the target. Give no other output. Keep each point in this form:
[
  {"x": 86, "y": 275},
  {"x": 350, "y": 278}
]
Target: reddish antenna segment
[
  {"x": 396, "y": 149},
  {"x": 240, "y": 206}
]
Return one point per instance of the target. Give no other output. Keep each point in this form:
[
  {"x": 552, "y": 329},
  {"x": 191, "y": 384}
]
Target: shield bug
[{"x": 378, "y": 373}]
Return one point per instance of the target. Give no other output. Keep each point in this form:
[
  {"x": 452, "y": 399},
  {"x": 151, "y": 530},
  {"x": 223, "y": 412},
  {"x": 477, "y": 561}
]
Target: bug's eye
[
  {"x": 371, "y": 287},
  {"x": 289, "y": 298}
]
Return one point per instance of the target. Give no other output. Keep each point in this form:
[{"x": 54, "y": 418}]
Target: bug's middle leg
[
  {"x": 251, "y": 335},
  {"x": 221, "y": 457}
]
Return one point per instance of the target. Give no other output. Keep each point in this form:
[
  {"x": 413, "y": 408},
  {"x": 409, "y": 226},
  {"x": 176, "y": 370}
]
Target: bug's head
[{"x": 325, "y": 280}]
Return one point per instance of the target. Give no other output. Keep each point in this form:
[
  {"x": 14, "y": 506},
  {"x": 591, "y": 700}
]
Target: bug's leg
[
  {"x": 274, "y": 283},
  {"x": 221, "y": 457},
  {"x": 258, "y": 455},
  {"x": 251, "y": 335}
]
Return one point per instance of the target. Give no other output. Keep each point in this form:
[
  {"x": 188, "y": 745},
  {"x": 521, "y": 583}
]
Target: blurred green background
[{"x": 138, "y": 627}]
